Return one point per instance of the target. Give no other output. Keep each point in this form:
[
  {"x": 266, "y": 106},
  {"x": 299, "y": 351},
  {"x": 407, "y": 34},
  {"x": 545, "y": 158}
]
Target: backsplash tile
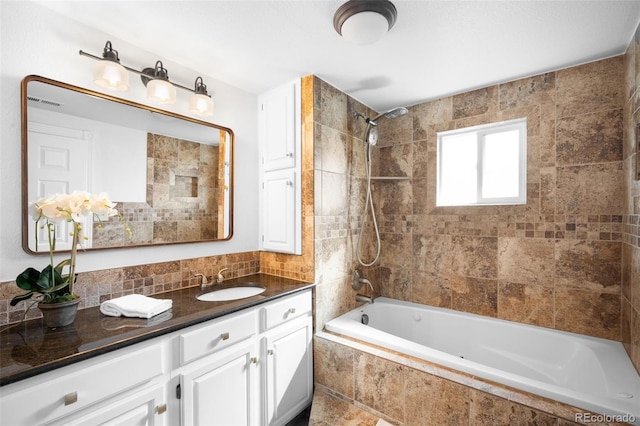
[{"x": 97, "y": 286}]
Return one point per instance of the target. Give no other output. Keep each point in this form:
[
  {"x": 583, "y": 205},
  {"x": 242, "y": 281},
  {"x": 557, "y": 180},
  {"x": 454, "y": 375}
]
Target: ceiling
[{"x": 435, "y": 49}]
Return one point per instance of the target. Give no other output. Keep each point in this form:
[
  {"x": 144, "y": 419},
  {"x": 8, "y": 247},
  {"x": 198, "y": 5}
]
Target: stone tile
[
  {"x": 547, "y": 190},
  {"x": 333, "y": 366},
  {"x": 630, "y": 70},
  {"x": 590, "y": 138},
  {"x": 397, "y": 250},
  {"x": 526, "y": 260},
  {"x": 589, "y": 265},
  {"x": 474, "y": 295},
  {"x": 635, "y": 339},
  {"x": 430, "y": 289},
  {"x": 395, "y": 283},
  {"x": 490, "y": 410},
  {"x": 452, "y": 404},
  {"x": 590, "y": 188},
  {"x": 529, "y": 304},
  {"x": 588, "y": 312},
  {"x": 528, "y": 91},
  {"x": 475, "y": 256},
  {"x": 332, "y": 148},
  {"x": 596, "y": 86},
  {"x": 396, "y": 160},
  {"x": 329, "y": 410},
  {"x": 420, "y": 390},
  {"x": 432, "y": 253},
  {"x": 379, "y": 384},
  {"x": 420, "y": 160},
  {"x": 476, "y": 102},
  {"x": 421, "y": 199},
  {"x": 331, "y": 106},
  {"x": 395, "y": 131},
  {"x": 396, "y": 198},
  {"x": 334, "y": 194},
  {"x": 427, "y": 113}
]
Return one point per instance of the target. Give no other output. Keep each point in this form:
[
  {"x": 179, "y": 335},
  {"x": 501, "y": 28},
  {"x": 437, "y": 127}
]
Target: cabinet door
[
  {"x": 279, "y": 211},
  {"x": 223, "y": 388},
  {"x": 142, "y": 408},
  {"x": 278, "y": 127},
  {"x": 289, "y": 372}
]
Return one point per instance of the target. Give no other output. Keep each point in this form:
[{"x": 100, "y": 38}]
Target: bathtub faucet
[{"x": 356, "y": 283}]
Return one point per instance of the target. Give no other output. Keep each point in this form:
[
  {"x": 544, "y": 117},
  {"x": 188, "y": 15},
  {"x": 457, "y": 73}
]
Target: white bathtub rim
[{"x": 600, "y": 405}]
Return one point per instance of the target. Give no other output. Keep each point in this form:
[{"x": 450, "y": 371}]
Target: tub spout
[
  {"x": 363, "y": 298},
  {"x": 357, "y": 283}
]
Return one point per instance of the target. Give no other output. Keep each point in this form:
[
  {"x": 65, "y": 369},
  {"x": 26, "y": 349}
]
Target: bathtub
[{"x": 586, "y": 372}]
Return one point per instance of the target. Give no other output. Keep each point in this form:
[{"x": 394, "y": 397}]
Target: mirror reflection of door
[{"x": 57, "y": 159}]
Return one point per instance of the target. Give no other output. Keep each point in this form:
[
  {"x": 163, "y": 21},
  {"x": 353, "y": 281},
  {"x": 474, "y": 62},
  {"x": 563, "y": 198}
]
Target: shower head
[{"x": 393, "y": 113}]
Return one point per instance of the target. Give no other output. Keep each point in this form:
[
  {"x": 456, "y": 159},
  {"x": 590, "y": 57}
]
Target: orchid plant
[{"x": 51, "y": 283}]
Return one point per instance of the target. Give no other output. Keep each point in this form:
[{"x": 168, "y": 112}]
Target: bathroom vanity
[{"x": 246, "y": 361}]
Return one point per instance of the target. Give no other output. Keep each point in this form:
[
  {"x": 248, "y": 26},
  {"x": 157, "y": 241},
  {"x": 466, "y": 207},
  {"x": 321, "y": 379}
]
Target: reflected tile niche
[{"x": 182, "y": 197}]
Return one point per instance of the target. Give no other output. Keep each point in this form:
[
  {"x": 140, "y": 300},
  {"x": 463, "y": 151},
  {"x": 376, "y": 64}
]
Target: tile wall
[
  {"x": 97, "y": 286},
  {"x": 631, "y": 236},
  {"x": 554, "y": 262}
]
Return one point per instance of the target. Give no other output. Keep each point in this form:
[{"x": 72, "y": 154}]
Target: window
[{"x": 483, "y": 165}]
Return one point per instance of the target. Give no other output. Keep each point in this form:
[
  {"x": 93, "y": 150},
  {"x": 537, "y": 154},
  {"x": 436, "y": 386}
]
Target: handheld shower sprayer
[{"x": 371, "y": 139}]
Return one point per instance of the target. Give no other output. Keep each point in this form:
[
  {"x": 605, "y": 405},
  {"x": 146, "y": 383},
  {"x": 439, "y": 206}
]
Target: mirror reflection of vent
[{"x": 43, "y": 101}]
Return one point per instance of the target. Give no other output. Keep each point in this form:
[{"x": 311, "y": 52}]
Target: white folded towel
[{"x": 135, "y": 305}]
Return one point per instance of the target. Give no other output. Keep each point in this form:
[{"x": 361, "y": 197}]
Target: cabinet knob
[
  {"x": 289, "y": 154},
  {"x": 289, "y": 183},
  {"x": 292, "y": 310},
  {"x": 254, "y": 359},
  {"x": 71, "y": 398},
  {"x": 224, "y": 336},
  {"x": 161, "y": 408},
  {"x": 270, "y": 352}
]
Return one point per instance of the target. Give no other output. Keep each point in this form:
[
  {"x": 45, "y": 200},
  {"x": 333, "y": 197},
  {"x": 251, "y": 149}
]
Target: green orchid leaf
[
  {"x": 20, "y": 298},
  {"x": 27, "y": 279}
]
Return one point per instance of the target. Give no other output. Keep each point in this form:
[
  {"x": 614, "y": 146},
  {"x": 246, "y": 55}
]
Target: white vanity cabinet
[
  {"x": 280, "y": 145},
  {"x": 251, "y": 367},
  {"x": 121, "y": 387},
  {"x": 288, "y": 367}
]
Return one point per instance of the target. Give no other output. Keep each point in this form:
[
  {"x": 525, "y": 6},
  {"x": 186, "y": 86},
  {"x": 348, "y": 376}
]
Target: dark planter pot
[{"x": 59, "y": 314}]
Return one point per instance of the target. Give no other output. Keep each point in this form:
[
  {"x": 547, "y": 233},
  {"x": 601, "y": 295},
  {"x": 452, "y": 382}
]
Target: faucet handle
[
  {"x": 203, "y": 278},
  {"x": 220, "y": 277}
]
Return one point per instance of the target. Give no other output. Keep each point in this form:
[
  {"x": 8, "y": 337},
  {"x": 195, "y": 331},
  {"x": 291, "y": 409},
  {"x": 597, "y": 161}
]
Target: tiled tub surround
[
  {"x": 97, "y": 286},
  {"x": 554, "y": 262},
  {"x": 590, "y": 373},
  {"x": 358, "y": 384}
]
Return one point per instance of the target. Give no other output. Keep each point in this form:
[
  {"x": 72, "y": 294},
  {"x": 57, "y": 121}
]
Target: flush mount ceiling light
[
  {"x": 364, "y": 21},
  {"x": 109, "y": 73}
]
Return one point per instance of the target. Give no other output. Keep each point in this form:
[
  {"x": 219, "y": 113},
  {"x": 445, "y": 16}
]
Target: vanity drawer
[
  {"x": 286, "y": 309},
  {"x": 217, "y": 335},
  {"x": 50, "y": 396}
]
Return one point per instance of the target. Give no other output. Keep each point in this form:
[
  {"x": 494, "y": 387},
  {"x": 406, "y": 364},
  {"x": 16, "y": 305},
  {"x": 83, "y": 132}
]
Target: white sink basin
[{"x": 231, "y": 293}]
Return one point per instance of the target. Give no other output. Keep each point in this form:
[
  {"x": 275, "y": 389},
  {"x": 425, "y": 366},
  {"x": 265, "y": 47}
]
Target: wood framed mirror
[{"x": 171, "y": 175}]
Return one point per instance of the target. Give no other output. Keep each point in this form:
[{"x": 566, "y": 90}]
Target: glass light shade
[
  {"x": 200, "y": 104},
  {"x": 161, "y": 91},
  {"x": 364, "y": 28},
  {"x": 111, "y": 75}
]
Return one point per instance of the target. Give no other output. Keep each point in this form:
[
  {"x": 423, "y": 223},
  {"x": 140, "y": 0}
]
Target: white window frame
[{"x": 481, "y": 132}]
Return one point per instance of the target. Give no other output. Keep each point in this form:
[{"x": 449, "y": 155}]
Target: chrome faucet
[
  {"x": 357, "y": 282},
  {"x": 220, "y": 277},
  {"x": 203, "y": 280}
]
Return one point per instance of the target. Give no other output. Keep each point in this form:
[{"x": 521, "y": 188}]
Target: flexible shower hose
[{"x": 368, "y": 204}]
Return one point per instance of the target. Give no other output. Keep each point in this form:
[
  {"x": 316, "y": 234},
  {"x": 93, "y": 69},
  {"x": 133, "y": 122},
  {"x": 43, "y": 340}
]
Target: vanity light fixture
[
  {"x": 111, "y": 74},
  {"x": 108, "y": 72},
  {"x": 159, "y": 88},
  {"x": 364, "y": 21},
  {"x": 200, "y": 103}
]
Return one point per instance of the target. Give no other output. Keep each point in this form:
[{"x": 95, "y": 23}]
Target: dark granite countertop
[{"x": 30, "y": 348}]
